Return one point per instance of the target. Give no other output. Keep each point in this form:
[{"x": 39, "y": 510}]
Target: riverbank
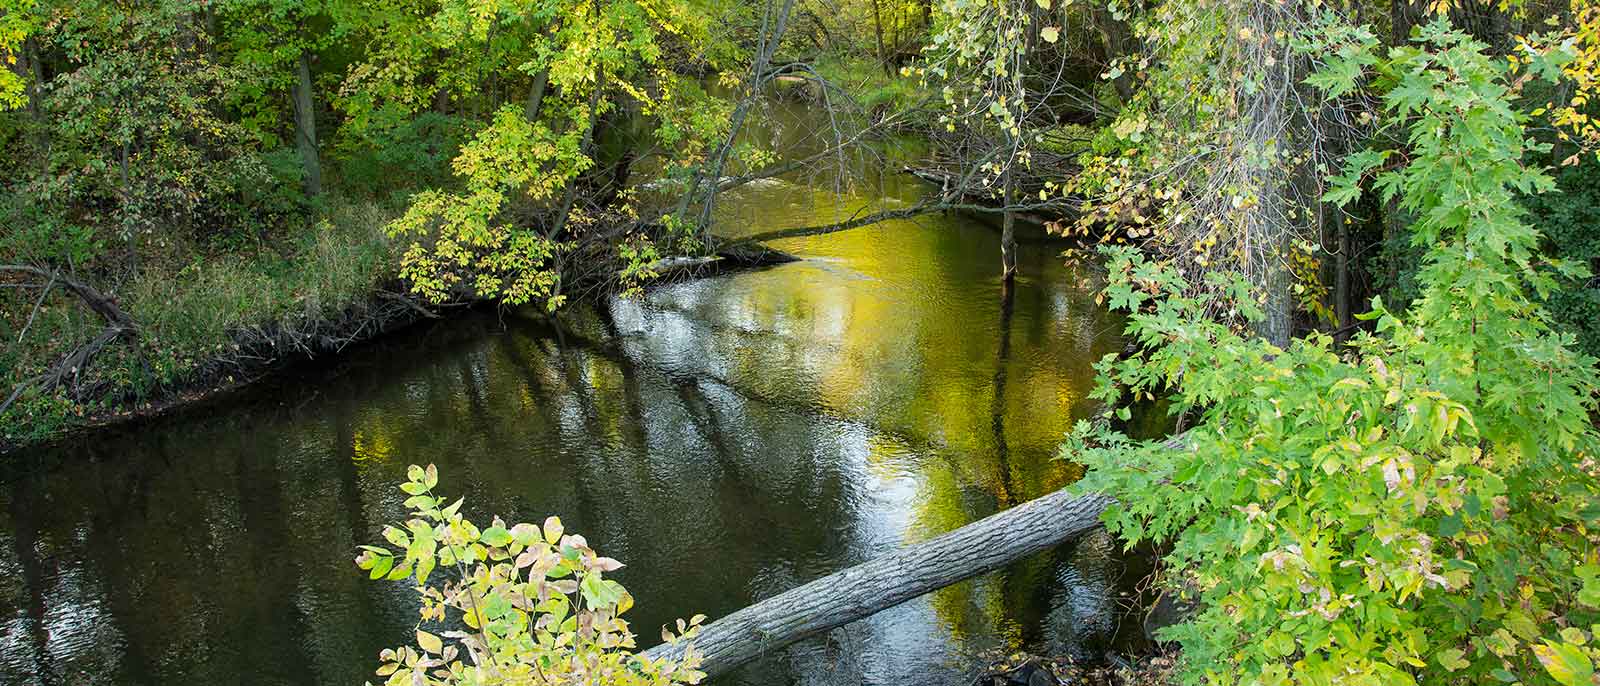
[
  {"x": 200, "y": 327},
  {"x": 1033, "y": 670},
  {"x": 227, "y": 321}
]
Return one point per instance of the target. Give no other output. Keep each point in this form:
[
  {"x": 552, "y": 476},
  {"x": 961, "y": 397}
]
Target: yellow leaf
[
  {"x": 429, "y": 642},
  {"x": 1050, "y": 34},
  {"x": 552, "y": 530}
]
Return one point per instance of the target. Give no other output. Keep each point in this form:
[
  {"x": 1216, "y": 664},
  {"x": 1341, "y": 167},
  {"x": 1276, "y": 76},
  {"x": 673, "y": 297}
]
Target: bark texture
[
  {"x": 305, "y": 124},
  {"x": 866, "y": 589},
  {"x": 1008, "y": 234}
]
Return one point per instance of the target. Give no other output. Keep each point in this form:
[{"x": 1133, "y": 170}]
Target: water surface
[{"x": 728, "y": 438}]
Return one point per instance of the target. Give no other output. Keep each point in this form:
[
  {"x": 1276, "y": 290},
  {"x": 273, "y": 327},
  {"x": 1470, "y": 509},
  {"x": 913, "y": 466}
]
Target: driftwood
[
  {"x": 858, "y": 592},
  {"x": 917, "y": 210},
  {"x": 118, "y": 325}
]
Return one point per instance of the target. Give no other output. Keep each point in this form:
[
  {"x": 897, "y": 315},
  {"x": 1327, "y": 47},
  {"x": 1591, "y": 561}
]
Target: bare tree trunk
[
  {"x": 75, "y": 362},
  {"x": 877, "y": 26},
  {"x": 772, "y": 34},
  {"x": 305, "y": 124},
  {"x": 1341, "y": 280},
  {"x": 846, "y": 596},
  {"x": 917, "y": 210},
  {"x": 1270, "y": 178},
  {"x": 541, "y": 81},
  {"x": 1008, "y": 237}
]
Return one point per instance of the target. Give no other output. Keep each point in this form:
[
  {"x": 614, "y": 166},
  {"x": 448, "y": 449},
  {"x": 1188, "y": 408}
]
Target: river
[{"x": 727, "y": 438}]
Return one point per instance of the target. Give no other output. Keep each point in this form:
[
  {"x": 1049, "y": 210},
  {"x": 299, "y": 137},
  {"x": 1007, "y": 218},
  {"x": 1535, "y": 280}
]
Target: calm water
[{"x": 727, "y": 438}]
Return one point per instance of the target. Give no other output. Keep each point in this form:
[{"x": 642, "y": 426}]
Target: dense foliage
[
  {"x": 1417, "y": 508},
  {"x": 1568, "y": 218},
  {"x": 250, "y": 155},
  {"x": 1401, "y": 496},
  {"x": 523, "y": 604}
]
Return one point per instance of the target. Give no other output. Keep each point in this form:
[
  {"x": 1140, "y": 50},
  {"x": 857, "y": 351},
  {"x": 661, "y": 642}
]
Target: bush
[
  {"x": 522, "y": 604},
  {"x": 1419, "y": 509},
  {"x": 403, "y": 155}
]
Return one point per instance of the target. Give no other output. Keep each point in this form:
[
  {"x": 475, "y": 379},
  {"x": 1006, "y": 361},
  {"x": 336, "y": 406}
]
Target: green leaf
[
  {"x": 381, "y": 567},
  {"x": 593, "y": 593},
  {"x": 496, "y": 536},
  {"x": 424, "y": 568},
  {"x": 1451, "y": 660}
]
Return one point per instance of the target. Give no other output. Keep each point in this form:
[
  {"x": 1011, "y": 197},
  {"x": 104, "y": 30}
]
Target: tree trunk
[
  {"x": 305, "y": 124},
  {"x": 1008, "y": 236},
  {"x": 846, "y": 596},
  {"x": 877, "y": 26},
  {"x": 130, "y": 234},
  {"x": 1341, "y": 280},
  {"x": 585, "y": 147},
  {"x": 1402, "y": 16},
  {"x": 1269, "y": 223},
  {"x": 536, "y": 95},
  {"x": 1394, "y": 226},
  {"x": 772, "y": 33},
  {"x": 73, "y": 364},
  {"x": 32, "y": 75},
  {"x": 1118, "y": 41}
]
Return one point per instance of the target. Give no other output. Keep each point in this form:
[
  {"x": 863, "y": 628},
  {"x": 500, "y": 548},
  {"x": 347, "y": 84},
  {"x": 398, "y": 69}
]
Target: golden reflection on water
[{"x": 728, "y": 438}]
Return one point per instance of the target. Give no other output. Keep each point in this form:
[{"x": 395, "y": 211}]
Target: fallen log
[
  {"x": 118, "y": 325},
  {"x": 866, "y": 589}
]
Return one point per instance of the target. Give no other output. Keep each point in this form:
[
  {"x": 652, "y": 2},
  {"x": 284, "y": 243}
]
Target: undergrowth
[{"x": 198, "y": 321}]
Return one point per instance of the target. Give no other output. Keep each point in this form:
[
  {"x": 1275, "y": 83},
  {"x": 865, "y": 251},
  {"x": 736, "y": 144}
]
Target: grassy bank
[{"x": 202, "y": 322}]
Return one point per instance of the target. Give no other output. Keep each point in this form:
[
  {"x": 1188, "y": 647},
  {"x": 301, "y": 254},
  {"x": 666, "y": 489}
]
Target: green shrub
[
  {"x": 1418, "y": 509},
  {"x": 403, "y": 155},
  {"x": 511, "y": 604}
]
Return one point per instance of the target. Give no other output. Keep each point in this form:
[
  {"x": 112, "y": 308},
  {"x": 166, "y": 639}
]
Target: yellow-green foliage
[
  {"x": 496, "y": 237},
  {"x": 511, "y": 604},
  {"x": 16, "y": 22}
]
